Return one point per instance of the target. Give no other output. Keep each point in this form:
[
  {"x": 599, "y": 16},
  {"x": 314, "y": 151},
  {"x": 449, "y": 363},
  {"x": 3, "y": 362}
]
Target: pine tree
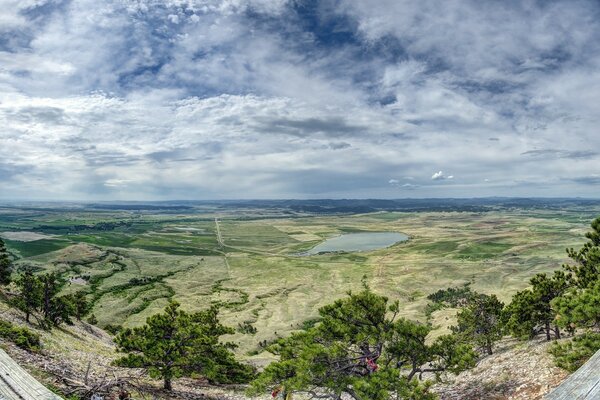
[
  {"x": 51, "y": 285},
  {"x": 30, "y": 297},
  {"x": 81, "y": 305},
  {"x": 360, "y": 350},
  {"x": 530, "y": 311},
  {"x": 5, "y": 265},
  {"x": 480, "y": 321},
  {"x": 175, "y": 344},
  {"x": 579, "y": 307},
  {"x": 61, "y": 309},
  {"x": 586, "y": 269}
]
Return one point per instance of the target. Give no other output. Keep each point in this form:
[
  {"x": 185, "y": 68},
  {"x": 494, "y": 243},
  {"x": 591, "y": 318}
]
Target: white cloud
[
  {"x": 195, "y": 99},
  {"x": 116, "y": 182},
  {"x": 11, "y": 16},
  {"x": 34, "y": 63},
  {"x": 437, "y": 176}
]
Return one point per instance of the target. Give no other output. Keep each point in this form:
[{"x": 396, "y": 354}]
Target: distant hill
[{"x": 355, "y": 206}]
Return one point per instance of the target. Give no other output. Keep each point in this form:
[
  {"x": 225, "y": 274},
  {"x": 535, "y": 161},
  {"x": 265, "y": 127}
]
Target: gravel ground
[{"x": 518, "y": 370}]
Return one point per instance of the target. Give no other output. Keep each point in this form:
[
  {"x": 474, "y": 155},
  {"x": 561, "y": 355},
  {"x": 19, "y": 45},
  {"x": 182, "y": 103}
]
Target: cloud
[
  {"x": 438, "y": 176},
  {"x": 339, "y": 145},
  {"x": 329, "y": 126},
  {"x": 409, "y": 186},
  {"x": 12, "y": 16},
  {"x": 115, "y": 183},
  {"x": 593, "y": 180},
  {"x": 261, "y": 98},
  {"x": 553, "y": 153},
  {"x": 404, "y": 186}
]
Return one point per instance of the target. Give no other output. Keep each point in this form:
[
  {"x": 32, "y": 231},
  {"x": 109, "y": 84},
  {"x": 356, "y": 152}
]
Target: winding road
[{"x": 221, "y": 245}]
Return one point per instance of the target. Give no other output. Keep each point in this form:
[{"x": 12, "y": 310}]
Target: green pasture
[
  {"x": 37, "y": 247},
  {"x": 258, "y": 279}
]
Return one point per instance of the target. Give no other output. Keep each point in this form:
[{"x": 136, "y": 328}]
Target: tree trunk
[
  {"x": 27, "y": 317},
  {"x": 167, "y": 384},
  {"x": 488, "y": 348},
  {"x": 46, "y": 299},
  {"x": 557, "y": 331},
  {"x": 548, "y": 338},
  {"x": 413, "y": 372}
]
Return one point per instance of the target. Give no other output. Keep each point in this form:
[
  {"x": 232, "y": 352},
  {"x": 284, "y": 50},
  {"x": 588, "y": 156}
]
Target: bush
[
  {"x": 574, "y": 353},
  {"x": 452, "y": 296},
  {"x": 22, "y": 337},
  {"x": 247, "y": 328},
  {"x": 113, "y": 329}
]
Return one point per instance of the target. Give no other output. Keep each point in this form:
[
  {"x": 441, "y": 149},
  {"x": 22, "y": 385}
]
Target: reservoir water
[{"x": 364, "y": 241}]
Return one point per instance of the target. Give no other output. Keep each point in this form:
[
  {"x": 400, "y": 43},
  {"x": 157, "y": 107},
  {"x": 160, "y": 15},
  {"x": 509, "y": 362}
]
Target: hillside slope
[
  {"x": 76, "y": 359},
  {"x": 74, "y": 355},
  {"x": 517, "y": 371}
]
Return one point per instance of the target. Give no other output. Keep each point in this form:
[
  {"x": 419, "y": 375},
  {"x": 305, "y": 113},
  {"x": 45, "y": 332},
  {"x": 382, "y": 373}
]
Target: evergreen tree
[
  {"x": 572, "y": 354},
  {"x": 92, "y": 320},
  {"x": 480, "y": 321},
  {"x": 61, "y": 309},
  {"x": 530, "y": 311},
  {"x": 586, "y": 269},
  {"x": 30, "y": 297},
  {"x": 361, "y": 351},
  {"x": 579, "y": 308},
  {"x": 175, "y": 344},
  {"x": 81, "y": 305},
  {"x": 51, "y": 285},
  {"x": 5, "y": 265}
]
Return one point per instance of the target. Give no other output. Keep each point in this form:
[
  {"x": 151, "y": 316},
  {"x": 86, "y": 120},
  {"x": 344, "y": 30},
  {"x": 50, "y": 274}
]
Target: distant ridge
[{"x": 328, "y": 206}]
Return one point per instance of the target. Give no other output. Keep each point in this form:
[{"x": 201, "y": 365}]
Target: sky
[{"x": 232, "y": 99}]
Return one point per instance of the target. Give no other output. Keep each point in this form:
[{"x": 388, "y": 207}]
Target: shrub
[
  {"x": 22, "y": 337},
  {"x": 574, "y": 353}
]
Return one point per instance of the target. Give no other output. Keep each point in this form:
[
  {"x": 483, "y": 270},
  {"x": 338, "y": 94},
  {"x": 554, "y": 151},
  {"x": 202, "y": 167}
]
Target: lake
[{"x": 364, "y": 241}]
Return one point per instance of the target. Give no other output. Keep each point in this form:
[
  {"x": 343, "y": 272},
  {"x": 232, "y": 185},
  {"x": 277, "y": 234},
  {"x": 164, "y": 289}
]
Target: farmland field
[{"x": 131, "y": 262}]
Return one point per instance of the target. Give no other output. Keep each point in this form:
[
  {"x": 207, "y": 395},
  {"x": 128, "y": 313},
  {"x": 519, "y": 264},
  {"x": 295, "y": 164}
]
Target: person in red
[{"x": 372, "y": 365}]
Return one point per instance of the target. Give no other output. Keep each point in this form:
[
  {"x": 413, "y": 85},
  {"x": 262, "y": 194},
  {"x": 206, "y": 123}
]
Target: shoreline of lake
[{"x": 357, "y": 242}]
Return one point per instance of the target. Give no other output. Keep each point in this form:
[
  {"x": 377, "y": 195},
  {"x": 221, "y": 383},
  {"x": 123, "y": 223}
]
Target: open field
[{"x": 132, "y": 263}]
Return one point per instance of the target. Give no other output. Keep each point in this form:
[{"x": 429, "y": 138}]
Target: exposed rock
[{"x": 517, "y": 370}]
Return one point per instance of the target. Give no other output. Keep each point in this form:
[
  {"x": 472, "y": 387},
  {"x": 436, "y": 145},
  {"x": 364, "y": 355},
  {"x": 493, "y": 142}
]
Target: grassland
[{"x": 132, "y": 264}]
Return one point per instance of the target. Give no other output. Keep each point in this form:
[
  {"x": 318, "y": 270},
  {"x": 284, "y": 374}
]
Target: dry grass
[{"x": 275, "y": 291}]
